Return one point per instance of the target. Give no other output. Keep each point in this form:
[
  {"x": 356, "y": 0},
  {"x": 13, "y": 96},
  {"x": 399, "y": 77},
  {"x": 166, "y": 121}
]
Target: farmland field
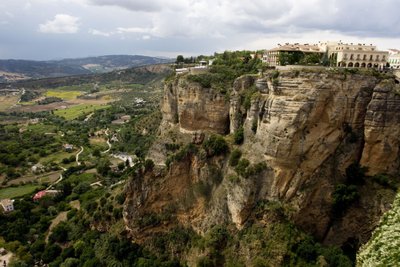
[
  {"x": 7, "y": 102},
  {"x": 12, "y": 192},
  {"x": 78, "y": 110},
  {"x": 65, "y": 95}
]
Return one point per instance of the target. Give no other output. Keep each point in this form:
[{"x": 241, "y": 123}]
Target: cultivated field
[
  {"x": 65, "y": 95},
  {"x": 75, "y": 111},
  {"x": 13, "y": 192}
]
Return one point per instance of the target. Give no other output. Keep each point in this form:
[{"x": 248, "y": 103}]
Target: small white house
[
  {"x": 37, "y": 168},
  {"x": 7, "y": 204}
]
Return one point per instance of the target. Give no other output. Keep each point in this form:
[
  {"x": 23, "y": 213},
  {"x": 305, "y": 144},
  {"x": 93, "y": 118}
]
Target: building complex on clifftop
[{"x": 336, "y": 54}]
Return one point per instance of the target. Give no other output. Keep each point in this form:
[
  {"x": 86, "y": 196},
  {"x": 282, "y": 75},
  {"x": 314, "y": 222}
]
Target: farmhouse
[
  {"x": 43, "y": 193},
  {"x": 7, "y": 204},
  {"x": 68, "y": 147},
  {"x": 38, "y": 168}
]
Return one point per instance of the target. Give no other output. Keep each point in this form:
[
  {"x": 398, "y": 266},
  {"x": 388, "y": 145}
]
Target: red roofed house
[{"x": 43, "y": 193}]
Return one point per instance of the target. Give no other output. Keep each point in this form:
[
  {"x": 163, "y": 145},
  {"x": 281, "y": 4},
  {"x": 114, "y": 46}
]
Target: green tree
[
  {"x": 103, "y": 167},
  {"x": 51, "y": 252},
  {"x": 215, "y": 145},
  {"x": 179, "y": 59}
]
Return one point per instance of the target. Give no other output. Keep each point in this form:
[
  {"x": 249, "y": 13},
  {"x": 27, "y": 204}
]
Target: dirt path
[
  {"x": 108, "y": 142},
  {"x": 77, "y": 156}
]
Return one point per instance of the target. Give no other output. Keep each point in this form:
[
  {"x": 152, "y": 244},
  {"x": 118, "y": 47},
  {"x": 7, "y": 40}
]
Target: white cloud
[
  {"x": 100, "y": 33},
  {"x": 134, "y": 30},
  {"x": 146, "y": 37},
  {"x": 195, "y": 18},
  {"x": 62, "y": 23},
  {"x": 143, "y": 6}
]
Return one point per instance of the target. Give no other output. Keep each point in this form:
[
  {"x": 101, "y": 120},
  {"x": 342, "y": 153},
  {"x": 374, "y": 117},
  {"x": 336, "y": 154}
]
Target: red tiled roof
[{"x": 39, "y": 195}]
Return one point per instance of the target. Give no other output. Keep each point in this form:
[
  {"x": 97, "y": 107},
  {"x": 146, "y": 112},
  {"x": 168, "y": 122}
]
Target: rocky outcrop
[
  {"x": 195, "y": 108},
  {"x": 381, "y": 149},
  {"x": 308, "y": 127}
]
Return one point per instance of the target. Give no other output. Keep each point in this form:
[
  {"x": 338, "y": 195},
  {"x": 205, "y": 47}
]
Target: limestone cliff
[
  {"x": 307, "y": 126},
  {"x": 194, "y": 108}
]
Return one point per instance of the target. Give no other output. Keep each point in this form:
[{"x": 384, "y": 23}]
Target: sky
[{"x": 56, "y": 29}]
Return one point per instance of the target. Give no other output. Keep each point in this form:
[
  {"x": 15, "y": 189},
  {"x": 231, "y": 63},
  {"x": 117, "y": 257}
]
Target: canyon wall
[{"x": 306, "y": 126}]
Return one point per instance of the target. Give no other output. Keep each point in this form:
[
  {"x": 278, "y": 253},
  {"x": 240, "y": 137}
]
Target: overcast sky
[{"x": 54, "y": 29}]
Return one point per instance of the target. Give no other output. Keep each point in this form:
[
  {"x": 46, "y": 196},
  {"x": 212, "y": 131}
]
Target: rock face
[
  {"x": 308, "y": 127},
  {"x": 195, "y": 108},
  {"x": 381, "y": 149}
]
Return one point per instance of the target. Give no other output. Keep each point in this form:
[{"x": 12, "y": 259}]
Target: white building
[
  {"x": 394, "y": 58},
  {"x": 7, "y": 204},
  {"x": 354, "y": 55},
  {"x": 339, "y": 54},
  {"x": 271, "y": 57}
]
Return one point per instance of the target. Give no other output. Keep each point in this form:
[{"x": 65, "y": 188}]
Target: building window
[
  {"x": 351, "y": 57},
  {"x": 365, "y": 57},
  {"x": 371, "y": 57}
]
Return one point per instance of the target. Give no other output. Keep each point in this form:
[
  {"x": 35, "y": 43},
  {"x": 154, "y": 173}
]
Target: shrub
[
  {"x": 148, "y": 165},
  {"x": 343, "y": 197},
  {"x": 81, "y": 188},
  {"x": 275, "y": 74},
  {"x": 256, "y": 169},
  {"x": 234, "y": 158},
  {"x": 241, "y": 167},
  {"x": 215, "y": 145},
  {"x": 238, "y": 136},
  {"x": 181, "y": 154}
]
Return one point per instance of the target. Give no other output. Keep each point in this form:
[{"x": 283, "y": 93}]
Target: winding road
[
  {"x": 59, "y": 179},
  {"x": 77, "y": 156},
  {"x": 108, "y": 142}
]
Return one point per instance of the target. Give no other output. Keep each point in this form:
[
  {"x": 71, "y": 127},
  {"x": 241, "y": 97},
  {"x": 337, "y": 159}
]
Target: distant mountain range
[{"x": 14, "y": 70}]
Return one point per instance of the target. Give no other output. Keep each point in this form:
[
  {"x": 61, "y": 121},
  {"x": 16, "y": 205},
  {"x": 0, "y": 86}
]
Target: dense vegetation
[
  {"x": 226, "y": 68},
  {"x": 91, "y": 196},
  {"x": 293, "y": 58}
]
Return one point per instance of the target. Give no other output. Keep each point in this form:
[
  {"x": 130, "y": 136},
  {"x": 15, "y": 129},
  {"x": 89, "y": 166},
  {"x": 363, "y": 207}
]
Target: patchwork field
[{"x": 74, "y": 112}]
